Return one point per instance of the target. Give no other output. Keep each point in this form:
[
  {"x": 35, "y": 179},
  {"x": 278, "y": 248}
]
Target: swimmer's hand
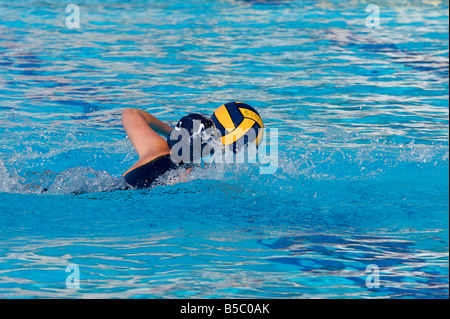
[
  {"x": 184, "y": 176},
  {"x": 179, "y": 176}
]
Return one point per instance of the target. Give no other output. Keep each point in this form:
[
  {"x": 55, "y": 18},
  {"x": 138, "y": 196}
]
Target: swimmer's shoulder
[{"x": 146, "y": 159}]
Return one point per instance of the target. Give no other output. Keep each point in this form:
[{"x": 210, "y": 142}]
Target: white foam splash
[
  {"x": 81, "y": 180},
  {"x": 334, "y": 154},
  {"x": 10, "y": 183}
]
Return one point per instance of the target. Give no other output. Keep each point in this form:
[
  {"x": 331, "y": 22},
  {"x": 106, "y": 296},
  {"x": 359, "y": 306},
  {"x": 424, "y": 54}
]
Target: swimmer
[{"x": 145, "y": 132}]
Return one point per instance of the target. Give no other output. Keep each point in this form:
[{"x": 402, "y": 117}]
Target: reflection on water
[
  {"x": 315, "y": 265},
  {"x": 276, "y": 57}
]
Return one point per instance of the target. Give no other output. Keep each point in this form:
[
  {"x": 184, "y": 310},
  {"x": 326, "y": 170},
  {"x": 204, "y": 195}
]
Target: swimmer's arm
[
  {"x": 142, "y": 129},
  {"x": 156, "y": 124}
]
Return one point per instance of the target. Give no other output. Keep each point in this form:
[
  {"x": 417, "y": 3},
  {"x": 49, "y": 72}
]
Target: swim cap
[{"x": 191, "y": 134}]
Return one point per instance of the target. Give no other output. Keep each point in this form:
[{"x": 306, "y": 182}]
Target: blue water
[{"x": 363, "y": 153}]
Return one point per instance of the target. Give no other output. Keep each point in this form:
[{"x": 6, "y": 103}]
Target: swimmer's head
[{"x": 189, "y": 137}]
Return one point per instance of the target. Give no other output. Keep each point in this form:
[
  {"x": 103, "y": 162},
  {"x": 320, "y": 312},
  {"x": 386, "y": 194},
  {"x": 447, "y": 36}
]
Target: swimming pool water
[{"x": 362, "y": 178}]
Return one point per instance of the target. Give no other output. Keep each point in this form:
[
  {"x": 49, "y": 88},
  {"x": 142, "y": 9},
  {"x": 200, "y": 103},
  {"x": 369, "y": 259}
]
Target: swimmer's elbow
[{"x": 128, "y": 111}]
